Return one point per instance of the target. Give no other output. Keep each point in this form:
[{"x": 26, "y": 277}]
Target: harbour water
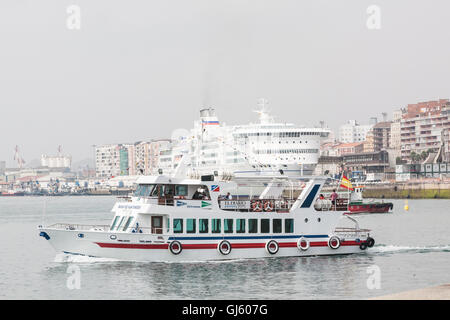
[{"x": 412, "y": 251}]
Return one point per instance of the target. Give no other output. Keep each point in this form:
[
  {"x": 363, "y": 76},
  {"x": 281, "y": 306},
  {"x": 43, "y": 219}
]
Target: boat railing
[
  {"x": 256, "y": 205},
  {"x": 83, "y": 227},
  {"x": 96, "y": 227}
]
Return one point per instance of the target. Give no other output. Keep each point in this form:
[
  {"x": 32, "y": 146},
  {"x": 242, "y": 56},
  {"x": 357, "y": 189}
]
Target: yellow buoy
[{"x": 406, "y": 207}]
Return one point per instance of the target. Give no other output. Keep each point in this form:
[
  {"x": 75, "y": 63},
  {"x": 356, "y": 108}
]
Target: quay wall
[{"x": 409, "y": 191}]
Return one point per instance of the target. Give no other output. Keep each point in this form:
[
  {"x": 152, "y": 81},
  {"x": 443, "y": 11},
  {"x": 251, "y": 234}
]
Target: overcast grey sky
[{"x": 138, "y": 69}]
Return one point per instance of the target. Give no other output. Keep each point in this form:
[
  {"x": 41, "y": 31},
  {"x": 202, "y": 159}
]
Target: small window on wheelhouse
[
  {"x": 265, "y": 225},
  {"x": 181, "y": 190},
  {"x": 177, "y": 225},
  {"x": 114, "y": 222},
  {"x": 240, "y": 225},
  {"x": 252, "y": 225},
  {"x": 276, "y": 225},
  {"x": 215, "y": 226},
  {"x": 190, "y": 226},
  {"x": 288, "y": 225},
  {"x": 203, "y": 225},
  {"x": 228, "y": 225}
]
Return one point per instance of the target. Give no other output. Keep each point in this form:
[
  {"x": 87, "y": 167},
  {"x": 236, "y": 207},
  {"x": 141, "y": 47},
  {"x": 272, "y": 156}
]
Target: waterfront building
[
  {"x": 350, "y": 148},
  {"x": 107, "y": 160},
  {"x": 352, "y": 132},
  {"x": 424, "y": 127},
  {"x": 378, "y": 138}
]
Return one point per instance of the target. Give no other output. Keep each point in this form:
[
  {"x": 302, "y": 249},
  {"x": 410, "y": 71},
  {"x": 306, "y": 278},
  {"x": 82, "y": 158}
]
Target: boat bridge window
[
  {"x": 181, "y": 190},
  {"x": 144, "y": 190},
  {"x": 114, "y": 222},
  {"x": 125, "y": 227},
  {"x": 201, "y": 193}
]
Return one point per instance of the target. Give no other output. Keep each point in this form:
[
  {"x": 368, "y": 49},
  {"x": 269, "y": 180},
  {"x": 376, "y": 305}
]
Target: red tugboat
[
  {"x": 358, "y": 205},
  {"x": 353, "y": 202}
]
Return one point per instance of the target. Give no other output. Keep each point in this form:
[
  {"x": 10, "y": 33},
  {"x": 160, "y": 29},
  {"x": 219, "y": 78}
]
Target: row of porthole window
[{"x": 233, "y": 225}]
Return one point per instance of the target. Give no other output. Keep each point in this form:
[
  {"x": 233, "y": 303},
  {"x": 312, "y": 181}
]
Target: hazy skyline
[{"x": 137, "y": 70}]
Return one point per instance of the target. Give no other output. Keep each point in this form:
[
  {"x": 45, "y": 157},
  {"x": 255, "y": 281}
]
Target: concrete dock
[{"x": 433, "y": 293}]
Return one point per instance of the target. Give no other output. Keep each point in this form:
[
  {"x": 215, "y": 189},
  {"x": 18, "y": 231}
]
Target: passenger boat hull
[
  {"x": 144, "y": 247},
  {"x": 369, "y": 208}
]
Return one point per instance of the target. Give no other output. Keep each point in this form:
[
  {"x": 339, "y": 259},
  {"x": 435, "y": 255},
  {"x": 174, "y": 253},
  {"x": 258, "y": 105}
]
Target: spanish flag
[{"x": 345, "y": 182}]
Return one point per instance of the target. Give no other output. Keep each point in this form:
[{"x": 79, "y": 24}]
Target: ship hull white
[{"x": 136, "y": 247}]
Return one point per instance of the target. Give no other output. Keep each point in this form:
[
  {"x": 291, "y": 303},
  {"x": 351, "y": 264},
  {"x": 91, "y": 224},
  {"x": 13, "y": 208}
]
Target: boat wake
[
  {"x": 382, "y": 249},
  {"x": 78, "y": 258}
]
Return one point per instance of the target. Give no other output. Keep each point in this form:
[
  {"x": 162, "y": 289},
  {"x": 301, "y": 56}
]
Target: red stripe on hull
[{"x": 214, "y": 245}]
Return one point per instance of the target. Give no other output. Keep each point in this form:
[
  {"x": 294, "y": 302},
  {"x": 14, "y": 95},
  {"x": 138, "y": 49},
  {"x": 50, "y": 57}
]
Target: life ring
[
  {"x": 224, "y": 247},
  {"x": 256, "y": 206},
  {"x": 175, "y": 247},
  {"x": 303, "y": 244},
  {"x": 334, "y": 242},
  {"x": 370, "y": 242},
  {"x": 268, "y": 206},
  {"x": 272, "y": 247}
]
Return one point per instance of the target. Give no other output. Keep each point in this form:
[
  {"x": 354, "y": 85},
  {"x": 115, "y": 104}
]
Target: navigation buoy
[{"x": 406, "y": 207}]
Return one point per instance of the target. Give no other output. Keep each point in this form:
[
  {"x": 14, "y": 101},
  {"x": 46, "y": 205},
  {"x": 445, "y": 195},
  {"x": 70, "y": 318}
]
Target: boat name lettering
[{"x": 129, "y": 207}]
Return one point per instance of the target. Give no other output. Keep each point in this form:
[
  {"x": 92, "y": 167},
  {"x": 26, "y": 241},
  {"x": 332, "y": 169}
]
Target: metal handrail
[{"x": 72, "y": 226}]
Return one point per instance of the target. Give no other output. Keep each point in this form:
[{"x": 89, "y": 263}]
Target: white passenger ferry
[{"x": 175, "y": 219}]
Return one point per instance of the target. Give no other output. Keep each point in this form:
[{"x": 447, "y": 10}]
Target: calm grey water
[{"x": 412, "y": 251}]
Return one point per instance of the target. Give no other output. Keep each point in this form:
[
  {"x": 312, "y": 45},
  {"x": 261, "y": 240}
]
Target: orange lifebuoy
[
  {"x": 256, "y": 206},
  {"x": 268, "y": 206}
]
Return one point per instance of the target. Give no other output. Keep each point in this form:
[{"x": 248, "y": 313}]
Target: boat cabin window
[
  {"x": 276, "y": 225},
  {"x": 240, "y": 225},
  {"x": 203, "y": 225},
  {"x": 265, "y": 225},
  {"x": 228, "y": 225},
  {"x": 201, "y": 193},
  {"x": 288, "y": 225},
  {"x": 181, "y": 190},
  {"x": 114, "y": 222},
  {"x": 252, "y": 225},
  {"x": 125, "y": 227},
  {"x": 190, "y": 226},
  {"x": 215, "y": 226},
  {"x": 120, "y": 224},
  {"x": 144, "y": 190},
  {"x": 177, "y": 225}
]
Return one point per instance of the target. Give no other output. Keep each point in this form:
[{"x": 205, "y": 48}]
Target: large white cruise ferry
[
  {"x": 176, "y": 219},
  {"x": 263, "y": 148}
]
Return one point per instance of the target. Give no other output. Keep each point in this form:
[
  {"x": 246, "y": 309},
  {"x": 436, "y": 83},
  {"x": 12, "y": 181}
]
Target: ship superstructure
[{"x": 266, "y": 147}]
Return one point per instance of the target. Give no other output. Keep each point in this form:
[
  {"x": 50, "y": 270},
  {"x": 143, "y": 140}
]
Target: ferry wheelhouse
[{"x": 177, "y": 219}]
